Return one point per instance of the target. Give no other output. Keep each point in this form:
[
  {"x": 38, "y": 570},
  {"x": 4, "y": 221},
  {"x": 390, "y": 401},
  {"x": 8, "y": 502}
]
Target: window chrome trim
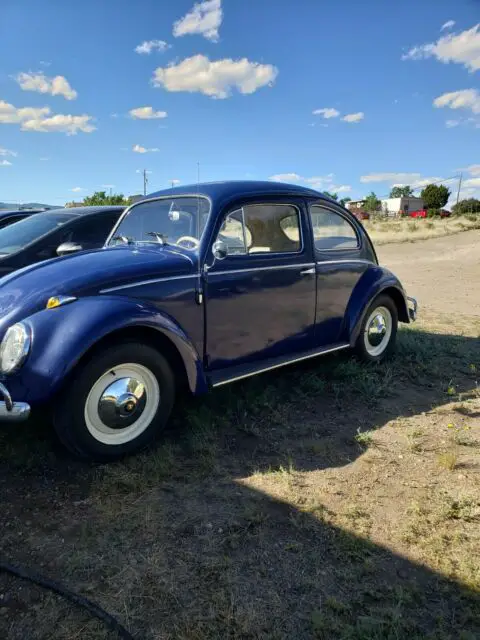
[
  {"x": 166, "y": 197},
  {"x": 143, "y": 282},
  {"x": 282, "y": 364},
  {"x": 267, "y": 253},
  {"x": 270, "y": 268},
  {"x": 341, "y": 215},
  {"x": 319, "y": 262}
]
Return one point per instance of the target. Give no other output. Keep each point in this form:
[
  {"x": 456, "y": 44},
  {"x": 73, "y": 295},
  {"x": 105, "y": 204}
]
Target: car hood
[{"x": 27, "y": 290}]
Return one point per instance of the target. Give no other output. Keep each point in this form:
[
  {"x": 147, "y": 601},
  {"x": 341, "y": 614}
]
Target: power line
[{"x": 419, "y": 188}]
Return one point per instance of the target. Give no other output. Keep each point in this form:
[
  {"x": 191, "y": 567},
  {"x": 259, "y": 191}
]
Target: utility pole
[
  {"x": 145, "y": 182},
  {"x": 459, "y": 187}
]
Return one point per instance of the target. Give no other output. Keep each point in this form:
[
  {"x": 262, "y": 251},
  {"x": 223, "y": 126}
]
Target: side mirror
[
  {"x": 220, "y": 249},
  {"x": 66, "y": 248}
]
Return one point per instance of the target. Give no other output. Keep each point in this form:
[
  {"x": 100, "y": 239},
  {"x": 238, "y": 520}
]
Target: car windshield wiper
[
  {"x": 125, "y": 239},
  {"x": 160, "y": 236}
]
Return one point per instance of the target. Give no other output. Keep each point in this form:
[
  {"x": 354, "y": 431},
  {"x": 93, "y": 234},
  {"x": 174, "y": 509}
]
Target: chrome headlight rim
[{"x": 25, "y": 349}]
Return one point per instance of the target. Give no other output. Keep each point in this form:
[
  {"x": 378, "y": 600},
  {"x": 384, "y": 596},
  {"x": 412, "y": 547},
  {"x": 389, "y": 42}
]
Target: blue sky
[{"x": 234, "y": 85}]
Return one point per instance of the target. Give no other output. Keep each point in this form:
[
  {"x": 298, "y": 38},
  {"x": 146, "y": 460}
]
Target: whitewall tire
[
  {"x": 117, "y": 404},
  {"x": 378, "y": 332}
]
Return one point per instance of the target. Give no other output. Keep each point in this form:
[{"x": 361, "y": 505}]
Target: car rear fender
[{"x": 375, "y": 281}]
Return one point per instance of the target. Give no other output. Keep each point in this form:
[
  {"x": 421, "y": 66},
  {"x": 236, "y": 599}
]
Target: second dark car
[{"x": 58, "y": 232}]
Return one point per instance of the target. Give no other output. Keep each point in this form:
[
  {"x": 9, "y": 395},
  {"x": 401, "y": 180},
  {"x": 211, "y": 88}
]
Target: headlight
[{"x": 14, "y": 348}]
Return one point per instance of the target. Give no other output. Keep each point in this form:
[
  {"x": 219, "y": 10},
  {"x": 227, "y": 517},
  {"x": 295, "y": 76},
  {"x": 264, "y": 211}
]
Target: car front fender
[
  {"x": 62, "y": 336},
  {"x": 375, "y": 280}
]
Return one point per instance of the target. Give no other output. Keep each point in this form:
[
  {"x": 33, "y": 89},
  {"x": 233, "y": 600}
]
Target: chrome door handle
[{"x": 308, "y": 272}]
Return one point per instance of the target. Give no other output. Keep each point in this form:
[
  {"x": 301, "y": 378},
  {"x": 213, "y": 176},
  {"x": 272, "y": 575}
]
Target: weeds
[{"x": 448, "y": 460}]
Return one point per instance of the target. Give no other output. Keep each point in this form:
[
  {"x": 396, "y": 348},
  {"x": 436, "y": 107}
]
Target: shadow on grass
[{"x": 179, "y": 543}]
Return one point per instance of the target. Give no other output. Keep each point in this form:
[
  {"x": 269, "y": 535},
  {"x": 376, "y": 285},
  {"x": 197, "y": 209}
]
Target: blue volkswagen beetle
[{"x": 196, "y": 287}]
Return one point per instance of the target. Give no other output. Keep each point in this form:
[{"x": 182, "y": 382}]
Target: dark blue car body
[{"x": 215, "y": 320}]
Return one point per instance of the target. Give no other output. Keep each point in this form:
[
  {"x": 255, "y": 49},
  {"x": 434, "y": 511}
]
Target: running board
[{"x": 241, "y": 371}]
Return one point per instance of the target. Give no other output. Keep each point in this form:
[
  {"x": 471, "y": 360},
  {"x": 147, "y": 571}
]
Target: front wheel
[
  {"x": 117, "y": 403},
  {"x": 378, "y": 333}
]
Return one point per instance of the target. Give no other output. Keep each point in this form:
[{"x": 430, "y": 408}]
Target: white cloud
[
  {"x": 204, "y": 18},
  {"x": 174, "y": 182},
  {"x": 57, "y": 86},
  {"x": 354, "y": 117},
  {"x": 45, "y": 63},
  {"x": 108, "y": 186},
  {"x": 5, "y": 163},
  {"x": 342, "y": 188},
  {"x": 473, "y": 170},
  {"x": 448, "y": 25},
  {"x": 326, "y": 112},
  {"x": 465, "y": 99},
  {"x": 40, "y": 119},
  {"x": 76, "y": 189},
  {"x": 11, "y": 115},
  {"x": 63, "y": 123},
  {"x": 471, "y": 183},
  {"x": 151, "y": 45},
  {"x": 391, "y": 177},
  {"x": 44, "y": 159},
  {"x": 7, "y": 152},
  {"x": 141, "y": 171},
  {"x": 320, "y": 183},
  {"x": 286, "y": 177},
  {"x": 139, "y": 149},
  {"x": 452, "y": 123},
  {"x": 146, "y": 113},
  {"x": 215, "y": 78},
  {"x": 461, "y": 48}
]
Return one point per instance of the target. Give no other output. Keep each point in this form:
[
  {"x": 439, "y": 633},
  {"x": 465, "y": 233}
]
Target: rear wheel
[
  {"x": 378, "y": 333},
  {"x": 117, "y": 404}
]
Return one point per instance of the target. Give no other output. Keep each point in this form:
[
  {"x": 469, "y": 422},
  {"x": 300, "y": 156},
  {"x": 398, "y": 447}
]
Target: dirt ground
[
  {"x": 331, "y": 500},
  {"x": 442, "y": 273}
]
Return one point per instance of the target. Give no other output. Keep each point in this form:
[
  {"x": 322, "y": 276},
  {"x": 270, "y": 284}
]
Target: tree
[
  {"x": 401, "y": 192},
  {"x": 470, "y": 205},
  {"x": 100, "y": 198},
  {"x": 435, "y": 196},
  {"x": 372, "y": 203},
  {"x": 343, "y": 201},
  {"x": 333, "y": 196}
]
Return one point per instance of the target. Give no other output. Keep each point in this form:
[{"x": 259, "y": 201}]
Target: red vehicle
[{"x": 420, "y": 213}]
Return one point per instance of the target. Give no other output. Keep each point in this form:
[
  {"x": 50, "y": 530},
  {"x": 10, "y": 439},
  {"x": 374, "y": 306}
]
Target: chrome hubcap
[
  {"x": 377, "y": 330},
  {"x": 122, "y": 403}
]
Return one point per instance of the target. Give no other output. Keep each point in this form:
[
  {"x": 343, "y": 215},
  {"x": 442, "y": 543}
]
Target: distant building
[
  {"x": 70, "y": 205},
  {"x": 135, "y": 198},
  {"x": 405, "y": 204},
  {"x": 355, "y": 204}
]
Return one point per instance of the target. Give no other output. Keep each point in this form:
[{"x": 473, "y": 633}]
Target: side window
[
  {"x": 262, "y": 228},
  {"x": 93, "y": 231},
  {"x": 10, "y": 220},
  {"x": 232, "y": 233},
  {"x": 331, "y": 230}
]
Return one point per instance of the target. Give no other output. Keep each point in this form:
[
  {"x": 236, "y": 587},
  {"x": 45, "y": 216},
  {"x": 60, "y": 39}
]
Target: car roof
[
  {"x": 4, "y": 212},
  {"x": 231, "y": 188},
  {"x": 83, "y": 211}
]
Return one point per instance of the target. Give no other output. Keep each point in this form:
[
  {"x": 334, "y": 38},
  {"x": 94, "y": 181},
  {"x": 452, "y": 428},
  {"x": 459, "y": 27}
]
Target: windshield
[
  {"x": 24, "y": 232},
  {"x": 178, "y": 220}
]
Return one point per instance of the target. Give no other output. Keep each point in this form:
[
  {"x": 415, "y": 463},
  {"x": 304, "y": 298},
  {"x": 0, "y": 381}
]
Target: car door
[
  {"x": 260, "y": 299},
  {"x": 341, "y": 258}
]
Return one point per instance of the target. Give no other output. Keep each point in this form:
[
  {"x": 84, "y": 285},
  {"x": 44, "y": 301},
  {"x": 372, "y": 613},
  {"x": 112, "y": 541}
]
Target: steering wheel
[{"x": 189, "y": 239}]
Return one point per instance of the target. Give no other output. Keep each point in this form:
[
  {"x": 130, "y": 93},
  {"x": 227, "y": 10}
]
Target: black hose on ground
[{"x": 46, "y": 583}]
